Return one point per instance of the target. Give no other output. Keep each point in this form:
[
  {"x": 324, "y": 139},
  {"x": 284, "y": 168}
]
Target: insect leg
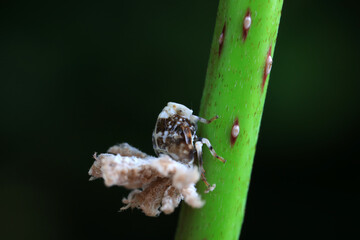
[
  {"x": 198, "y": 147},
  {"x": 203, "y": 120},
  {"x": 212, "y": 151}
]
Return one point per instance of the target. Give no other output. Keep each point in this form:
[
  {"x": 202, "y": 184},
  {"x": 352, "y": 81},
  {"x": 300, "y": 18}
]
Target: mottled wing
[{"x": 188, "y": 137}]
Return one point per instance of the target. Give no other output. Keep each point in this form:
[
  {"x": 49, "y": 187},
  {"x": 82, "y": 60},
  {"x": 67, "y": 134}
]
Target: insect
[{"x": 175, "y": 136}]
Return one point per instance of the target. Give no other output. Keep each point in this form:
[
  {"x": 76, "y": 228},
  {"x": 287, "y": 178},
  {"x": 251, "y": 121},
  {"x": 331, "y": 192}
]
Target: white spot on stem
[
  {"x": 235, "y": 131},
  {"x": 247, "y": 22},
  {"x": 221, "y": 38},
  {"x": 268, "y": 64}
]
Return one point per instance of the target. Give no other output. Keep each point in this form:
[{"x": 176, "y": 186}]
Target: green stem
[{"x": 235, "y": 88}]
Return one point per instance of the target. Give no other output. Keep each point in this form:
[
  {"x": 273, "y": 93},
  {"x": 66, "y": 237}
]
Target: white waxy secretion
[{"x": 175, "y": 108}]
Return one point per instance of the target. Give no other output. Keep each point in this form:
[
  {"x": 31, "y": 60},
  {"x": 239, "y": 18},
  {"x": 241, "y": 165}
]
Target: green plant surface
[{"x": 235, "y": 88}]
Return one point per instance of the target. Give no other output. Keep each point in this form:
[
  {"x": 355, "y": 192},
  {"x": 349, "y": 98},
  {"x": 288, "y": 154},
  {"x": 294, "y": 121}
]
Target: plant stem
[{"x": 235, "y": 89}]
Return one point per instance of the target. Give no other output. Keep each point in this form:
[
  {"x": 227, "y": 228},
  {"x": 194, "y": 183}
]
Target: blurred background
[{"x": 80, "y": 76}]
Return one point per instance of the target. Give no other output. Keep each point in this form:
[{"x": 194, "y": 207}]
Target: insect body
[{"x": 175, "y": 135}]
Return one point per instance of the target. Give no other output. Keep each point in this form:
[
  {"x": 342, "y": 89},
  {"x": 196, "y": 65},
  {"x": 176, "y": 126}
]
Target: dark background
[{"x": 79, "y": 76}]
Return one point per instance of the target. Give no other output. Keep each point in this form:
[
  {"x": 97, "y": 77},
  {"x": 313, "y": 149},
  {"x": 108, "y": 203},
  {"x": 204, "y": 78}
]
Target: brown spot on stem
[
  {"x": 246, "y": 24},
  {"x": 267, "y": 68},
  {"x": 235, "y": 130},
  {"x": 222, "y": 39}
]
